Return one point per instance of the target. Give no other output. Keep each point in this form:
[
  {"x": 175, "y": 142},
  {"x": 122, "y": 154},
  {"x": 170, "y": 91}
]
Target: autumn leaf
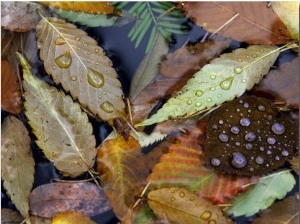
[
  {"x": 50, "y": 199},
  {"x": 285, "y": 211},
  {"x": 225, "y": 78},
  {"x": 63, "y": 131},
  {"x": 9, "y": 216},
  {"x": 17, "y": 163},
  {"x": 80, "y": 65},
  {"x": 295, "y": 163},
  {"x": 10, "y": 93},
  {"x": 191, "y": 172},
  {"x": 20, "y": 16},
  {"x": 122, "y": 166},
  {"x": 71, "y": 217},
  {"x": 179, "y": 205},
  {"x": 256, "y": 23},
  {"x": 263, "y": 194}
]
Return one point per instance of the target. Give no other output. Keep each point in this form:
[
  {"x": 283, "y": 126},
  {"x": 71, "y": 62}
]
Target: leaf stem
[{"x": 225, "y": 24}]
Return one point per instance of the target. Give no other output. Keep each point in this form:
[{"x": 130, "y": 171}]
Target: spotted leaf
[{"x": 225, "y": 78}]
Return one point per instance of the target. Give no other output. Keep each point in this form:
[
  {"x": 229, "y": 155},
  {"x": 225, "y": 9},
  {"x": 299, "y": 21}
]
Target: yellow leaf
[{"x": 71, "y": 217}]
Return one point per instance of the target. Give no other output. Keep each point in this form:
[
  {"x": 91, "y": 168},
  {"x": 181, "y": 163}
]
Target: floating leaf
[
  {"x": 9, "y": 216},
  {"x": 62, "y": 129},
  {"x": 285, "y": 211},
  {"x": 20, "y": 16},
  {"x": 225, "y": 78},
  {"x": 263, "y": 194},
  {"x": 17, "y": 164},
  {"x": 123, "y": 168},
  {"x": 71, "y": 217},
  {"x": 255, "y": 24},
  {"x": 81, "y": 67},
  {"x": 179, "y": 205},
  {"x": 50, "y": 199},
  {"x": 191, "y": 172},
  {"x": 10, "y": 93}
]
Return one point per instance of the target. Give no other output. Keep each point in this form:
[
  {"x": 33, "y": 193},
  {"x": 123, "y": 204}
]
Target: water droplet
[
  {"x": 278, "y": 128},
  {"x": 96, "y": 50},
  {"x": 271, "y": 140},
  {"x": 237, "y": 143},
  {"x": 219, "y": 95},
  {"x": 77, "y": 38},
  {"x": 181, "y": 194},
  {"x": 285, "y": 153},
  {"x": 172, "y": 199},
  {"x": 53, "y": 67},
  {"x": 249, "y": 146},
  {"x": 198, "y": 104},
  {"x": 238, "y": 70},
  {"x": 226, "y": 84},
  {"x": 221, "y": 122},
  {"x": 254, "y": 55},
  {"x": 189, "y": 102},
  {"x": 107, "y": 107},
  {"x": 245, "y": 122},
  {"x": 212, "y": 89},
  {"x": 239, "y": 60},
  {"x": 206, "y": 215},
  {"x": 213, "y": 76},
  {"x": 246, "y": 105},
  {"x": 199, "y": 93},
  {"x": 244, "y": 80},
  {"x": 223, "y": 137},
  {"x": 215, "y": 127},
  {"x": 241, "y": 101},
  {"x": 269, "y": 152},
  {"x": 64, "y": 60},
  {"x": 235, "y": 130},
  {"x": 270, "y": 117},
  {"x": 209, "y": 99},
  {"x": 73, "y": 78},
  {"x": 261, "y": 108},
  {"x": 250, "y": 137},
  {"x": 60, "y": 41},
  {"x": 172, "y": 190},
  {"x": 277, "y": 158},
  {"x": 95, "y": 78},
  {"x": 238, "y": 160},
  {"x": 259, "y": 160},
  {"x": 212, "y": 221},
  {"x": 215, "y": 161},
  {"x": 192, "y": 198}
]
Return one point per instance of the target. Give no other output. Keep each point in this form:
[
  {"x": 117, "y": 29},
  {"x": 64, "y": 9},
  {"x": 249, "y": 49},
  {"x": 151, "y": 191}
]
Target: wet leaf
[
  {"x": 20, "y": 16},
  {"x": 63, "y": 131},
  {"x": 256, "y": 23},
  {"x": 39, "y": 220},
  {"x": 289, "y": 15},
  {"x": 71, "y": 217},
  {"x": 191, "y": 172},
  {"x": 179, "y": 205},
  {"x": 17, "y": 164},
  {"x": 225, "y": 78},
  {"x": 10, "y": 93},
  {"x": 285, "y": 211},
  {"x": 295, "y": 163},
  {"x": 80, "y": 65},
  {"x": 263, "y": 194},
  {"x": 9, "y": 216},
  {"x": 50, "y": 199},
  {"x": 123, "y": 168}
]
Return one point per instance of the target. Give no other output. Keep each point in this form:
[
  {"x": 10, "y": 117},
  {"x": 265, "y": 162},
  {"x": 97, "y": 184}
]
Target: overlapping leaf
[
  {"x": 71, "y": 217},
  {"x": 263, "y": 194},
  {"x": 191, "y": 172},
  {"x": 123, "y": 168},
  {"x": 10, "y": 216},
  {"x": 81, "y": 67},
  {"x": 17, "y": 164},
  {"x": 63, "y": 131},
  {"x": 225, "y": 78},
  {"x": 256, "y": 23}
]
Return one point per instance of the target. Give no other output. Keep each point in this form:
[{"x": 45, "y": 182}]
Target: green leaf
[
  {"x": 263, "y": 194},
  {"x": 225, "y": 78}
]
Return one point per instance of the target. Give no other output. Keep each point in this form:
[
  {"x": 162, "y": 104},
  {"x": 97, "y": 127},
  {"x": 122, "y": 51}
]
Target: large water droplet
[
  {"x": 250, "y": 137},
  {"x": 238, "y": 70},
  {"x": 107, "y": 107},
  {"x": 238, "y": 160},
  {"x": 259, "y": 160},
  {"x": 189, "y": 102},
  {"x": 285, "y": 153},
  {"x": 181, "y": 194},
  {"x": 95, "y": 78},
  {"x": 245, "y": 122},
  {"x": 223, "y": 137},
  {"x": 215, "y": 161},
  {"x": 278, "y": 128},
  {"x": 199, "y": 93},
  {"x": 235, "y": 130},
  {"x": 206, "y": 215},
  {"x": 64, "y": 60},
  {"x": 60, "y": 41},
  {"x": 226, "y": 84},
  {"x": 271, "y": 140}
]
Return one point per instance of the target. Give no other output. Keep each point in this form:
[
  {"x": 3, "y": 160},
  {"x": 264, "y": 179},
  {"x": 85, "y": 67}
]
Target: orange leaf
[
  {"x": 255, "y": 24},
  {"x": 10, "y": 92},
  {"x": 71, "y": 217},
  {"x": 190, "y": 170},
  {"x": 123, "y": 168}
]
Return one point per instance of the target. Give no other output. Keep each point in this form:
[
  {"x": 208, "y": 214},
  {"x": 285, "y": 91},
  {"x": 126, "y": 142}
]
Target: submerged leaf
[
  {"x": 9, "y": 216},
  {"x": 225, "y": 78},
  {"x": 17, "y": 163},
  {"x": 63, "y": 131},
  {"x": 263, "y": 194},
  {"x": 81, "y": 67},
  {"x": 71, "y": 217}
]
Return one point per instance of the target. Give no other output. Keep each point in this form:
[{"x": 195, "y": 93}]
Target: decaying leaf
[
  {"x": 39, "y": 220},
  {"x": 10, "y": 93},
  {"x": 285, "y": 211},
  {"x": 225, "y": 78},
  {"x": 63, "y": 131},
  {"x": 263, "y": 194},
  {"x": 71, "y": 217},
  {"x": 295, "y": 163},
  {"x": 191, "y": 172},
  {"x": 20, "y": 16},
  {"x": 17, "y": 163},
  {"x": 9, "y": 216},
  {"x": 256, "y": 23},
  {"x": 80, "y": 65},
  {"x": 123, "y": 168},
  {"x": 50, "y": 199},
  {"x": 178, "y": 205}
]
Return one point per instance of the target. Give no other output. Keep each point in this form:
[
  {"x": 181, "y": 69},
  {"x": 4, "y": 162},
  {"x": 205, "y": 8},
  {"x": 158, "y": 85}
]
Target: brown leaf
[
  {"x": 123, "y": 168},
  {"x": 20, "y": 16},
  {"x": 49, "y": 199},
  {"x": 71, "y": 217},
  {"x": 285, "y": 211},
  {"x": 256, "y": 23},
  {"x": 10, "y": 93},
  {"x": 39, "y": 220},
  {"x": 9, "y": 216},
  {"x": 295, "y": 163}
]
